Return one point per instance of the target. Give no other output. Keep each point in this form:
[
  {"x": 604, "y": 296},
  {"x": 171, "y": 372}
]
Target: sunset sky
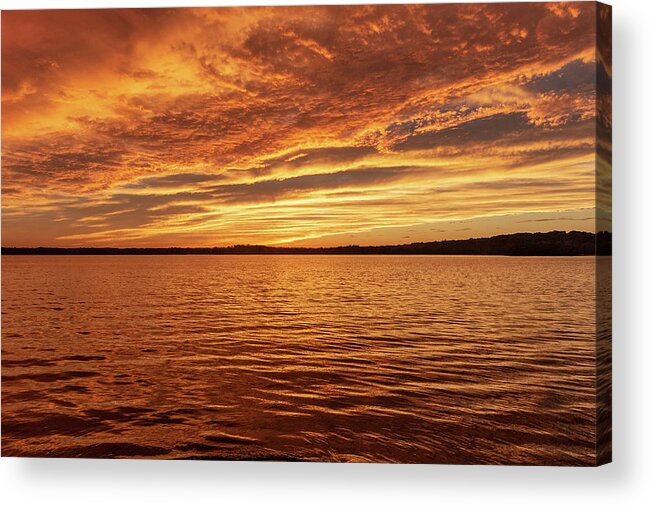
[{"x": 301, "y": 125}]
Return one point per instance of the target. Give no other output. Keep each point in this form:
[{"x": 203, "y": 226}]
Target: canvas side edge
[{"x": 603, "y": 224}]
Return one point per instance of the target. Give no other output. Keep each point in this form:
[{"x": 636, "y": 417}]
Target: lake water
[{"x": 328, "y": 358}]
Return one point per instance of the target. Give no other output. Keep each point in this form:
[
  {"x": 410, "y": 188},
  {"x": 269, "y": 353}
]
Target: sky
[{"x": 315, "y": 126}]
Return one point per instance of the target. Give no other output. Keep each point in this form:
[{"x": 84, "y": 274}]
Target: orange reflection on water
[{"x": 335, "y": 358}]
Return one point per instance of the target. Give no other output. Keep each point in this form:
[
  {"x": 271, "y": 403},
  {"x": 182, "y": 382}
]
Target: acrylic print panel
[{"x": 344, "y": 233}]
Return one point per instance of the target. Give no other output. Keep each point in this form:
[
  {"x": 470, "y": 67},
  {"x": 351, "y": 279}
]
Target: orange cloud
[{"x": 274, "y": 125}]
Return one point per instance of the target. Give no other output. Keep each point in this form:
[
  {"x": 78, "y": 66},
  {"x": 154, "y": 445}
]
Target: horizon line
[{"x": 306, "y": 248}]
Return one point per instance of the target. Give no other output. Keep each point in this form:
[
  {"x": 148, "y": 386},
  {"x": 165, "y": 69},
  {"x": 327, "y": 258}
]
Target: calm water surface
[{"x": 336, "y": 358}]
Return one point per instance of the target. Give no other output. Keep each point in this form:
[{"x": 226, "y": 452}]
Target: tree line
[{"x": 555, "y": 243}]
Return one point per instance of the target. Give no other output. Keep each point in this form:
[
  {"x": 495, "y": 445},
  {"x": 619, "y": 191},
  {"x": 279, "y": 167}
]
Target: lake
[{"x": 446, "y": 359}]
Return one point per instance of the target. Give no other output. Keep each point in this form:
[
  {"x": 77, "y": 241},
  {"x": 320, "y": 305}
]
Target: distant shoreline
[{"x": 554, "y": 243}]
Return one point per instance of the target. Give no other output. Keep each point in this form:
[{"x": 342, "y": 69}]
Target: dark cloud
[
  {"x": 574, "y": 77},
  {"x": 325, "y": 157},
  {"x": 274, "y": 189},
  {"x": 173, "y": 181},
  {"x": 556, "y": 218},
  {"x": 475, "y": 131}
]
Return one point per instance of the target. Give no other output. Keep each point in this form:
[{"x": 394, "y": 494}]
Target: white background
[{"x": 627, "y": 481}]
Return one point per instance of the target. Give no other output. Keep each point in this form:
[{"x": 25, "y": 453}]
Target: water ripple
[{"x": 355, "y": 359}]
